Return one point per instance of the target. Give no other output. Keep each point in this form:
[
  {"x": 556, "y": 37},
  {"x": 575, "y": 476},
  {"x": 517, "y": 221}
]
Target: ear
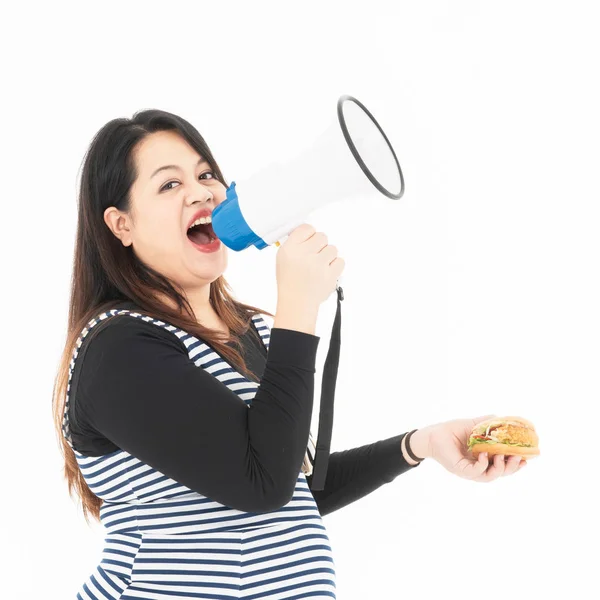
[{"x": 119, "y": 223}]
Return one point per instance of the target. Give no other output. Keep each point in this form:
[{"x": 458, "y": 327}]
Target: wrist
[
  {"x": 297, "y": 315},
  {"x": 419, "y": 444}
]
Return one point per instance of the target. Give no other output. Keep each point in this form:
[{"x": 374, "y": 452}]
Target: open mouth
[{"x": 201, "y": 234}]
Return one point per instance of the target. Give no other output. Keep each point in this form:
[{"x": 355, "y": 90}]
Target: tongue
[{"x": 199, "y": 237}]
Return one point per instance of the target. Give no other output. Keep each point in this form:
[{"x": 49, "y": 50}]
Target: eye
[{"x": 165, "y": 188}]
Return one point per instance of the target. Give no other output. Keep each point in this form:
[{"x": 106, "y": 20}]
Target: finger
[
  {"x": 495, "y": 469},
  {"x": 474, "y": 470},
  {"x": 512, "y": 465},
  {"x": 499, "y": 465}
]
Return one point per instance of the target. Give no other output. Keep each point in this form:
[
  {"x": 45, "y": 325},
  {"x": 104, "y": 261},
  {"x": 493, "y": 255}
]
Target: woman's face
[{"x": 164, "y": 201}]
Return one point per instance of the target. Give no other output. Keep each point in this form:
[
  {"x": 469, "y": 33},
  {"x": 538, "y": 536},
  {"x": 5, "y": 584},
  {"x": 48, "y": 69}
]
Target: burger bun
[{"x": 505, "y": 449}]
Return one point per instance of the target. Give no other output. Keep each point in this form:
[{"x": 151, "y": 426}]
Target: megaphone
[{"x": 352, "y": 158}]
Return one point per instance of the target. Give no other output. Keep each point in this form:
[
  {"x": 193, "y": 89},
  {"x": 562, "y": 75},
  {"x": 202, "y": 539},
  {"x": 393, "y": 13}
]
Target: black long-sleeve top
[{"x": 136, "y": 389}]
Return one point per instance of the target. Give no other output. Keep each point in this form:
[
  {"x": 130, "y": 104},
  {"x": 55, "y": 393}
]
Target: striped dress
[{"x": 164, "y": 540}]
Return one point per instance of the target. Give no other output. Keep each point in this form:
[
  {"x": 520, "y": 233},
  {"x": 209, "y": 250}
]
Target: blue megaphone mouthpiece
[{"x": 231, "y": 227}]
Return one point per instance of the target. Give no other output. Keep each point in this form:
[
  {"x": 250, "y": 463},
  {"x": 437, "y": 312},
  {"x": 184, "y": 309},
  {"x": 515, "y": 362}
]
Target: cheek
[{"x": 161, "y": 236}]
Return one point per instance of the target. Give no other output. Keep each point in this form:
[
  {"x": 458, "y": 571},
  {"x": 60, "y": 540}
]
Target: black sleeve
[
  {"x": 138, "y": 388},
  {"x": 352, "y": 474}
]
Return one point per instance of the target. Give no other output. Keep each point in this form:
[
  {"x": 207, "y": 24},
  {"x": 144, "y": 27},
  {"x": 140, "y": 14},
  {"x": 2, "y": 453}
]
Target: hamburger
[{"x": 504, "y": 435}]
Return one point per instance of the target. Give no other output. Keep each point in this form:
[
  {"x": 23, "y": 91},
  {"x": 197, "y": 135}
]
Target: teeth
[{"x": 201, "y": 221}]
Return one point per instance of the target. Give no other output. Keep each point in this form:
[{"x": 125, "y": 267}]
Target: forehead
[{"x": 163, "y": 148}]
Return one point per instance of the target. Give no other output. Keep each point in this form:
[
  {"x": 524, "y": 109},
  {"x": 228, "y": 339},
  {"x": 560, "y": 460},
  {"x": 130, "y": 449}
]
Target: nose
[{"x": 200, "y": 194}]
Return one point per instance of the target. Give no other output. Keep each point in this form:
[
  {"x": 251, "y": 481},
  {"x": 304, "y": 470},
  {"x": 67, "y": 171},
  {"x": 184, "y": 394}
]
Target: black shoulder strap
[{"x": 330, "y": 371}]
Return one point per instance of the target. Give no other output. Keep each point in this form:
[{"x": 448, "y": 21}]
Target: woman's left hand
[{"x": 447, "y": 444}]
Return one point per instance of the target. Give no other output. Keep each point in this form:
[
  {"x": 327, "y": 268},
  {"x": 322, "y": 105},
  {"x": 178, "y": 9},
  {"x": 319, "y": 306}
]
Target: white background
[{"x": 476, "y": 293}]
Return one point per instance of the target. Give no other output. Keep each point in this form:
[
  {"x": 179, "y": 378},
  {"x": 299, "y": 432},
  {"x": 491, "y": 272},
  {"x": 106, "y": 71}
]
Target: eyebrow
[{"x": 202, "y": 160}]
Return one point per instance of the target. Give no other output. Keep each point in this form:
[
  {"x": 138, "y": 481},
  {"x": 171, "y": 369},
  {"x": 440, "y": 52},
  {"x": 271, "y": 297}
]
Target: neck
[
  {"x": 199, "y": 299},
  {"x": 204, "y": 312}
]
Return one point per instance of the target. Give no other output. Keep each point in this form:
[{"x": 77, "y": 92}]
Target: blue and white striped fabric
[{"x": 163, "y": 540}]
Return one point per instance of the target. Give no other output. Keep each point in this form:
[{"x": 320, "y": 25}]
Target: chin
[{"x": 214, "y": 270}]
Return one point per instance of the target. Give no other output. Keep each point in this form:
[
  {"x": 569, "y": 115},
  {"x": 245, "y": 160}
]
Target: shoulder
[
  {"x": 120, "y": 352},
  {"x": 122, "y": 335}
]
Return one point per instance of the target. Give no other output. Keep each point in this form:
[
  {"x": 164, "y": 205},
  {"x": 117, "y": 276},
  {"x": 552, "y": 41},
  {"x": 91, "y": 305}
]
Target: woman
[{"x": 181, "y": 433}]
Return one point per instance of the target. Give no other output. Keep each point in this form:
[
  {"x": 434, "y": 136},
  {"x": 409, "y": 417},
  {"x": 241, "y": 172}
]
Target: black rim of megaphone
[{"x": 356, "y": 154}]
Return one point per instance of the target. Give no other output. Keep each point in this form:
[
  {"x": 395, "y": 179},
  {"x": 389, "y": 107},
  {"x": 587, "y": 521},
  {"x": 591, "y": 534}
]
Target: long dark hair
[{"x": 107, "y": 273}]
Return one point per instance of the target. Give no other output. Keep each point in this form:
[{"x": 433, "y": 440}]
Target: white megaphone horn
[{"x": 352, "y": 158}]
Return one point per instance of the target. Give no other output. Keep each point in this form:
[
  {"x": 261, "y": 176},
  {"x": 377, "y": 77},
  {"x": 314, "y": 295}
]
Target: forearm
[
  {"x": 355, "y": 473},
  {"x": 296, "y": 315}
]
